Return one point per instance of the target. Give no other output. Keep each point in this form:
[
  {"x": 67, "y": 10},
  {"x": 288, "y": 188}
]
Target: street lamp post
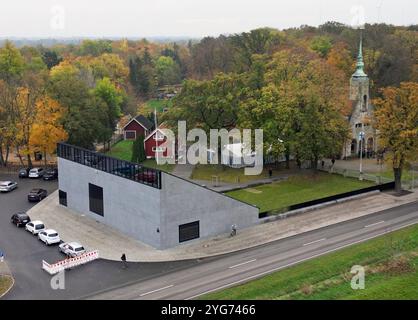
[{"x": 361, "y": 136}]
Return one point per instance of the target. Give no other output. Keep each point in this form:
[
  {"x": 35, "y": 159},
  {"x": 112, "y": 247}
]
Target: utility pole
[{"x": 156, "y": 135}]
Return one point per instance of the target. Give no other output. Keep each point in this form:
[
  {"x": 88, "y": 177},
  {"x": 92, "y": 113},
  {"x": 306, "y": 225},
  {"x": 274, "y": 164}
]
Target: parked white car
[
  {"x": 35, "y": 227},
  {"x": 72, "y": 249},
  {"x": 49, "y": 237},
  {"x": 7, "y": 186},
  {"x": 36, "y": 173}
]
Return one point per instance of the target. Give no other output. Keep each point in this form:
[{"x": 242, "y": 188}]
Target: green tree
[
  {"x": 168, "y": 71},
  {"x": 138, "y": 150},
  {"x": 95, "y": 47},
  {"x": 11, "y": 62},
  {"x": 112, "y": 98},
  {"x": 50, "y": 58},
  {"x": 322, "y": 45},
  {"x": 82, "y": 118},
  {"x": 212, "y": 104}
]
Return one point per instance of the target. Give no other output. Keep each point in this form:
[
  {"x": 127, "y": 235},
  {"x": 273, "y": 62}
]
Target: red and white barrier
[{"x": 70, "y": 262}]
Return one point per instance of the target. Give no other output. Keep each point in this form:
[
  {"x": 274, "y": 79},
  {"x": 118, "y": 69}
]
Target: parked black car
[
  {"x": 51, "y": 174},
  {"x": 37, "y": 195},
  {"x": 24, "y": 172},
  {"x": 20, "y": 219}
]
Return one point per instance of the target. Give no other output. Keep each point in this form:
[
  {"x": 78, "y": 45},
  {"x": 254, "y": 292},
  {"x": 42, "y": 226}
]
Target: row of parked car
[
  {"x": 47, "y": 236},
  {"x": 37, "y": 173}
]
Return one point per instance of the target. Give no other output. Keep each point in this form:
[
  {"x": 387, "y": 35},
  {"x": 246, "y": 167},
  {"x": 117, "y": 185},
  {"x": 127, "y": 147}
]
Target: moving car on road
[
  {"x": 24, "y": 173},
  {"x": 35, "y": 227},
  {"x": 71, "y": 249},
  {"x": 7, "y": 186},
  {"x": 37, "y": 195},
  {"x": 49, "y": 237},
  {"x": 51, "y": 174},
  {"x": 36, "y": 173},
  {"x": 20, "y": 219}
]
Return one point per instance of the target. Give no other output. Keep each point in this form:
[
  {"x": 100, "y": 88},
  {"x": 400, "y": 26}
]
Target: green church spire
[{"x": 360, "y": 63}]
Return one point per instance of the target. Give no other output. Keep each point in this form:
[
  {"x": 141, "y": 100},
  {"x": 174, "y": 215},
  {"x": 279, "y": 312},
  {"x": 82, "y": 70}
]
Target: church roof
[{"x": 360, "y": 62}]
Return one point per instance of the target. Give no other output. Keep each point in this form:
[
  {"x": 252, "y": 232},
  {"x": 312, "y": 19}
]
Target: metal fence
[
  {"x": 409, "y": 177},
  {"x": 376, "y": 178},
  {"x": 132, "y": 171}
]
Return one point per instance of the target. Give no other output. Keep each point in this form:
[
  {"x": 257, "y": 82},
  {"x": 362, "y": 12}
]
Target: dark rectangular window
[
  {"x": 62, "y": 198},
  {"x": 96, "y": 199},
  {"x": 189, "y": 231}
]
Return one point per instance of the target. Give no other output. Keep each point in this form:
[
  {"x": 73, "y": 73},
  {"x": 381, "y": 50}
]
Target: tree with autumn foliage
[
  {"x": 397, "y": 121},
  {"x": 47, "y": 129}
]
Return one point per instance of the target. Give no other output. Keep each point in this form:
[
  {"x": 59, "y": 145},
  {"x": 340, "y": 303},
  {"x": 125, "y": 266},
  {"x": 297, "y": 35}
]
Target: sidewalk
[
  {"x": 225, "y": 187},
  {"x": 111, "y": 243},
  {"x": 183, "y": 171}
]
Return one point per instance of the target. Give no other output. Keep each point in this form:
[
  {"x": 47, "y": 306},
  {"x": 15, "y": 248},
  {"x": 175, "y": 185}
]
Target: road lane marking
[
  {"x": 154, "y": 291},
  {"x": 302, "y": 260},
  {"x": 316, "y": 241},
  {"x": 241, "y": 264},
  {"x": 374, "y": 224}
]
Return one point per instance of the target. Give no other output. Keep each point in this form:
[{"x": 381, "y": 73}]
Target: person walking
[{"x": 123, "y": 258}]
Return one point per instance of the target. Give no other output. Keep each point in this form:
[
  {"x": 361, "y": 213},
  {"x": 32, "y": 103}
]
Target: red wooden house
[
  {"x": 136, "y": 127},
  {"x": 153, "y": 144}
]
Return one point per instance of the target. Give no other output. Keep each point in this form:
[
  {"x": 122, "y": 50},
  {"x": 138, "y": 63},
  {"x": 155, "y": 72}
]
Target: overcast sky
[{"x": 195, "y": 18}]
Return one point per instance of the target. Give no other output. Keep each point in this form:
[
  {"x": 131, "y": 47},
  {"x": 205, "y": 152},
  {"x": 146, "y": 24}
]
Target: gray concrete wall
[
  {"x": 183, "y": 202},
  {"x": 138, "y": 210},
  {"x": 129, "y": 206}
]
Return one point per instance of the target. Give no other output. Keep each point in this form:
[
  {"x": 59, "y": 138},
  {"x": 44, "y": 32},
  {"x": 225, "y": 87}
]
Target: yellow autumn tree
[
  {"x": 397, "y": 121},
  {"x": 47, "y": 130}
]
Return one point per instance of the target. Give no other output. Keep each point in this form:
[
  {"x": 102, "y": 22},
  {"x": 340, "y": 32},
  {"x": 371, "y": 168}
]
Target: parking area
[{"x": 24, "y": 254}]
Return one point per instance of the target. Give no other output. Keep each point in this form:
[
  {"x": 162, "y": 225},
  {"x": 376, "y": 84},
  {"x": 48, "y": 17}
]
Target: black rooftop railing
[{"x": 129, "y": 170}]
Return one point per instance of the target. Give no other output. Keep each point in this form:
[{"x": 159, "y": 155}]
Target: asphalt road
[
  {"x": 250, "y": 264},
  {"x": 24, "y": 255},
  {"x": 172, "y": 280}
]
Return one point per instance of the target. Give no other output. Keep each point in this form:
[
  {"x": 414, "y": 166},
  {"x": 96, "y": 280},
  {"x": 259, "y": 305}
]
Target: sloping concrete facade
[{"x": 153, "y": 215}]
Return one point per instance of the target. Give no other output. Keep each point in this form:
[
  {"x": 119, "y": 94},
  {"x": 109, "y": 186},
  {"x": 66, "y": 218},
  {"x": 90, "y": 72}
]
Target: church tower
[
  {"x": 363, "y": 137},
  {"x": 359, "y": 84}
]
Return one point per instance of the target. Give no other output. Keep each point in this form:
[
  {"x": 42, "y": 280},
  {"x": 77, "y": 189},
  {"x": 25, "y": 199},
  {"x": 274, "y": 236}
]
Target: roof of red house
[
  {"x": 143, "y": 121},
  {"x": 161, "y": 128}
]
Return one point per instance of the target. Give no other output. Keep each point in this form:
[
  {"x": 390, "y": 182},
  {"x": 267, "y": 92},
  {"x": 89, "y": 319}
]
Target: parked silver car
[
  {"x": 36, "y": 173},
  {"x": 7, "y": 186},
  {"x": 71, "y": 249}
]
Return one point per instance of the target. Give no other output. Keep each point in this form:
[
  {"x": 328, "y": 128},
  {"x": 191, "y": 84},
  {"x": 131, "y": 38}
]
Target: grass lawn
[
  {"x": 391, "y": 263},
  {"x": 153, "y": 104},
  {"x": 225, "y": 174},
  {"x": 123, "y": 150},
  {"x": 5, "y": 283},
  {"x": 298, "y": 189}
]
